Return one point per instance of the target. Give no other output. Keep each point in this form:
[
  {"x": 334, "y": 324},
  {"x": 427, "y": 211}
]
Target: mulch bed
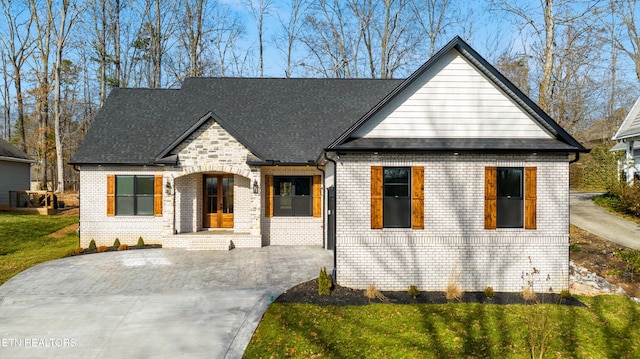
[
  {"x": 340, "y": 296},
  {"x": 114, "y": 249}
]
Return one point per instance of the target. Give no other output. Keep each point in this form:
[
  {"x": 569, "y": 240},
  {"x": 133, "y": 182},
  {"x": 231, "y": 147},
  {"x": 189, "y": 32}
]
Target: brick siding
[{"x": 454, "y": 246}]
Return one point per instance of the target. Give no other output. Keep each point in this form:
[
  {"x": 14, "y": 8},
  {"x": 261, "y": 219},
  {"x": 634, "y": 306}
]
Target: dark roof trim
[
  {"x": 277, "y": 163},
  {"x": 100, "y": 164},
  {"x": 16, "y": 159},
  {"x": 210, "y": 115},
  {"x": 488, "y": 70}
]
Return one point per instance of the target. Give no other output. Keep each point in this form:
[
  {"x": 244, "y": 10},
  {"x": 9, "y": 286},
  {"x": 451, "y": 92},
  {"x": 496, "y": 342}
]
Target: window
[
  {"x": 396, "y": 200},
  {"x": 134, "y": 195},
  {"x": 510, "y": 197},
  {"x": 292, "y": 196},
  {"x": 397, "y": 197}
]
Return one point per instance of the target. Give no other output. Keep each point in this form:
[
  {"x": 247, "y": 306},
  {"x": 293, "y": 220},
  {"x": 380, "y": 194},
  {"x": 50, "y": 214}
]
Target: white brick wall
[
  {"x": 94, "y": 222},
  {"x": 454, "y": 244},
  {"x": 291, "y": 230}
]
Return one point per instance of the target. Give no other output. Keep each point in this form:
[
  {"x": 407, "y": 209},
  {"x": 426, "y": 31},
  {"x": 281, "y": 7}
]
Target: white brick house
[{"x": 450, "y": 175}]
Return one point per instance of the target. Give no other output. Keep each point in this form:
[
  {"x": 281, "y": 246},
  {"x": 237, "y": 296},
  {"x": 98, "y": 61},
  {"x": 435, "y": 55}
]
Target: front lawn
[
  {"x": 605, "y": 327},
  {"x": 26, "y": 240}
]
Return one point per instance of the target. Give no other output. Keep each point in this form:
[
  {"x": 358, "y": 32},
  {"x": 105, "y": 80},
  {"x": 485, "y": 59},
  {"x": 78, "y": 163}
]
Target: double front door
[{"x": 218, "y": 201}]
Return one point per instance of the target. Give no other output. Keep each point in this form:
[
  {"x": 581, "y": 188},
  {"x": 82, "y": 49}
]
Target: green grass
[
  {"x": 606, "y": 327},
  {"x": 611, "y": 203},
  {"x": 24, "y": 241}
]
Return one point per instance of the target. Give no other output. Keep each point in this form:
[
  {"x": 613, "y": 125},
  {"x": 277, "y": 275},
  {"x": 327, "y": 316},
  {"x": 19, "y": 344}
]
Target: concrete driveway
[
  {"x": 155, "y": 303},
  {"x": 592, "y": 218}
]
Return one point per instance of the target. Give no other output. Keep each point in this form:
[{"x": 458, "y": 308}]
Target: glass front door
[{"x": 218, "y": 201}]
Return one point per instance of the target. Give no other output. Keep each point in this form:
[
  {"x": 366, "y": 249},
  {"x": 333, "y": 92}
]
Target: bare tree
[
  {"x": 224, "y": 40},
  {"x": 67, "y": 16},
  {"x": 192, "y": 33},
  {"x": 6, "y": 96},
  {"x": 18, "y": 45},
  {"x": 631, "y": 47},
  {"x": 291, "y": 28},
  {"x": 42, "y": 14},
  {"x": 432, "y": 17},
  {"x": 258, "y": 10}
]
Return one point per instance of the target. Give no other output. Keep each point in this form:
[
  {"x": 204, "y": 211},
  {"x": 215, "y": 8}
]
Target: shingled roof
[
  {"x": 287, "y": 120},
  {"x": 9, "y": 152}
]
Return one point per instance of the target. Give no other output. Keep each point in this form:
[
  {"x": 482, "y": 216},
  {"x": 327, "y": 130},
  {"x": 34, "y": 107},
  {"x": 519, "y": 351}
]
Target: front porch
[{"x": 212, "y": 240}]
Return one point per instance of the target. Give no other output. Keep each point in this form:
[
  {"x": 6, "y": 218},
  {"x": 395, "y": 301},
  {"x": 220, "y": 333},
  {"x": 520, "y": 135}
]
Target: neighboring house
[
  {"x": 450, "y": 175},
  {"x": 628, "y": 137},
  {"x": 15, "y": 171}
]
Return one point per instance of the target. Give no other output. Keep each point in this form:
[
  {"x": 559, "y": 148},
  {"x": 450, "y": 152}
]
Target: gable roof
[
  {"x": 560, "y": 140},
  {"x": 9, "y": 152},
  {"x": 630, "y": 127},
  {"x": 286, "y": 120}
]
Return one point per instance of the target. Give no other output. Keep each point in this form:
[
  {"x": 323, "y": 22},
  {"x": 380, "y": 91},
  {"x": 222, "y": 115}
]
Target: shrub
[
  {"x": 123, "y": 247},
  {"x": 140, "y": 242},
  {"x": 92, "y": 245},
  {"x": 529, "y": 294},
  {"x": 488, "y": 292},
  {"x": 574, "y": 248},
  {"x": 413, "y": 291},
  {"x": 102, "y": 249},
  {"x": 116, "y": 243},
  {"x": 453, "y": 292},
  {"x": 632, "y": 259},
  {"x": 372, "y": 293},
  {"x": 79, "y": 250},
  {"x": 324, "y": 282},
  {"x": 565, "y": 294}
]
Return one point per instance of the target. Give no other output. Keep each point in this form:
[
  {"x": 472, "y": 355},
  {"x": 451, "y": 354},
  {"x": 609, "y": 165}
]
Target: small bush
[
  {"x": 453, "y": 292},
  {"x": 529, "y": 294},
  {"x": 324, "y": 282},
  {"x": 116, "y": 243},
  {"x": 102, "y": 249},
  {"x": 413, "y": 291},
  {"x": 372, "y": 293},
  {"x": 92, "y": 245},
  {"x": 123, "y": 247},
  {"x": 79, "y": 250},
  {"x": 574, "y": 248},
  {"x": 140, "y": 243},
  {"x": 632, "y": 259},
  {"x": 488, "y": 292},
  {"x": 565, "y": 294}
]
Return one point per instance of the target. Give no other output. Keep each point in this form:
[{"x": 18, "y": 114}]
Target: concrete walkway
[
  {"x": 156, "y": 303},
  {"x": 592, "y": 218}
]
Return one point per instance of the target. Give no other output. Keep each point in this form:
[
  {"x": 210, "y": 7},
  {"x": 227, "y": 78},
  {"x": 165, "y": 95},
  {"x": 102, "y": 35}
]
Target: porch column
[{"x": 629, "y": 166}]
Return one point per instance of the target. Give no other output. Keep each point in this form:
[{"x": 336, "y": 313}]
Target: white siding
[
  {"x": 451, "y": 100},
  {"x": 15, "y": 177}
]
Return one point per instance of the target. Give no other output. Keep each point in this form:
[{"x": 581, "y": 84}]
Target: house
[
  {"x": 15, "y": 169},
  {"x": 450, "y": 175},
  {"x": 628, "y": 137}
]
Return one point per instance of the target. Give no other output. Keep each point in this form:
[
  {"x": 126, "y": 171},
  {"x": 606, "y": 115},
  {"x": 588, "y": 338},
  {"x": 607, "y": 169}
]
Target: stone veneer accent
[
  {"x": 454, "y": 246},
  {"x": 210, "y": 149},
  {"x": 291, "y": 230}
]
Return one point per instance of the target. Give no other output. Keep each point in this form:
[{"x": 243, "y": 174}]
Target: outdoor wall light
[
  {"x": 256, "y": 189},
  {"x": 168, "y": 187}
]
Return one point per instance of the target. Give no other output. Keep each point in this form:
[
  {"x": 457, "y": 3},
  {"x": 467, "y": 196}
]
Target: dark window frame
[
  {"x": 300, "y": 204},
  {"x": 510, "y": 198},
  {"x": 136, "y": 196},
  {"x": 399, "y": 201}
]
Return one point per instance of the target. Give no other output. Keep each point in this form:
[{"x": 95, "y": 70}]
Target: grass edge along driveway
[{"x": 25, "y": 241}]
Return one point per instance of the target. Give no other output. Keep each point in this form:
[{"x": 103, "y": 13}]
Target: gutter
[
  {"x": 575, "y": 159},
  {"x": 15, "y": 159}
]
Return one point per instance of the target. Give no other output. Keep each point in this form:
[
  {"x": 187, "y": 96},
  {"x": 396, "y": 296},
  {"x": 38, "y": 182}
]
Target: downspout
[
  {"x": 79, "y": 207},
  {"x": 324, "y": 228},
  {"x": 335, "y": 188},
  {"x": 575, "y": 159}
]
